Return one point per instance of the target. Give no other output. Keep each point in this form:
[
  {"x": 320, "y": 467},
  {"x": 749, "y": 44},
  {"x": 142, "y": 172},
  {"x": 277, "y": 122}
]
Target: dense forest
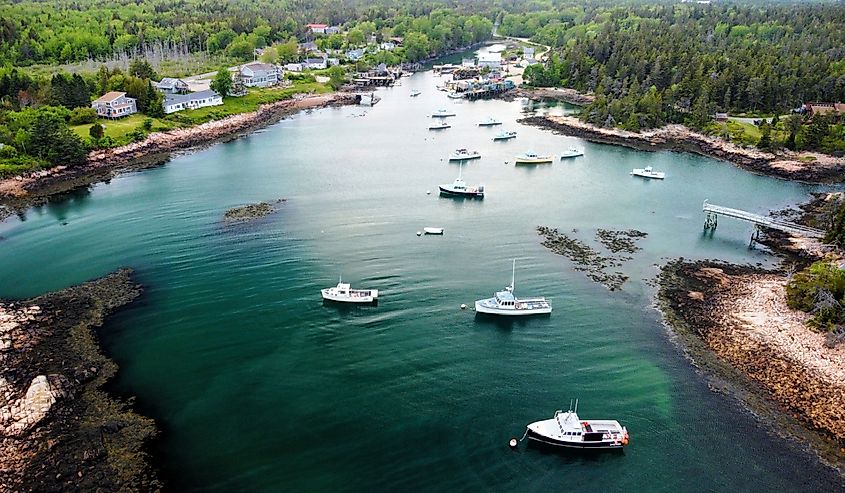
[{"x": 649, "y": 64}]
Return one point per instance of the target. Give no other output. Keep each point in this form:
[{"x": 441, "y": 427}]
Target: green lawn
[{"x": 117, "y": 129}]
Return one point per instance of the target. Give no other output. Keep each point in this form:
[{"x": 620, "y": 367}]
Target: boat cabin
[{"x": 505, "y": 298}]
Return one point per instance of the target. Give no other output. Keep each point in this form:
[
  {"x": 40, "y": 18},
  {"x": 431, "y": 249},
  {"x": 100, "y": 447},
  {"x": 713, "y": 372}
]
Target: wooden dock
[{"x": 714, "y": 211}]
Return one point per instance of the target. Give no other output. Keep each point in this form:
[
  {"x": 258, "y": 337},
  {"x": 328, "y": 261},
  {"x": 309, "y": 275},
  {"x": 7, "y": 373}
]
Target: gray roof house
[
  {"x": 315, "y": 63},
  {"x": 114, "y": 104},
  {"x": 355, "y": 55},
  {"x": 171, "y": 85},
  {"x": 257, "y": 74},
  {"x": 201, "y": 99}
]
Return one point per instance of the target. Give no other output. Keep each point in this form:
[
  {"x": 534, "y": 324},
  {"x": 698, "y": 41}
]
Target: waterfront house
[
  {"x": 490, "y": 60},
  {"x": 812, "y": 109},
  {"x": 114, "y": 104},
  {"x": 257, "y": 74},
  {"x": 355, "y": 55},
  {"x": 294, "y": 67},
  {"x": 172, "y": 86},
  {"x": 179, "y": 102},
  {"x": 316, "y": 28},
  {"x": 315, "y": 63}
]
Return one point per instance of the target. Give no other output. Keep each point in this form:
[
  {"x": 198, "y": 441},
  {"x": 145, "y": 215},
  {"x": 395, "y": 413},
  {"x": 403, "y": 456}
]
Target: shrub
[
  {"x": 81, "y": 116},
  {"x": 819, "y": 289}
]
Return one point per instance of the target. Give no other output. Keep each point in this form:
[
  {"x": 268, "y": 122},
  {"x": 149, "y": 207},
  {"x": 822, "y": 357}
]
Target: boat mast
[{"x": 513, "y": 275}]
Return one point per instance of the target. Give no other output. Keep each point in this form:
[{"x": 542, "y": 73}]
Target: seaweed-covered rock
[{"x": 251, "y": 211}]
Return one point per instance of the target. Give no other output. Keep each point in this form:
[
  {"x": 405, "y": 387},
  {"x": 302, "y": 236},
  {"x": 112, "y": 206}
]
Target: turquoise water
[{"x": 260, "y": 387}]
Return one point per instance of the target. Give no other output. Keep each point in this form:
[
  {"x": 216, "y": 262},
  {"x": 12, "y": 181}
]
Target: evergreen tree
[
  {"x": 141, "y": 68},
  {"x": 51, "y": 139},
  {"x": 154, "y": 102}
]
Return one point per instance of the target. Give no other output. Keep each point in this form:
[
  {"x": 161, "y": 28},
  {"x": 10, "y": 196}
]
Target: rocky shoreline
[
  {"x": 21, "y": 192},
  {"x": 570, "y": 96},
  {"x": 733, "y": 322},
  {"x": 59, "y": 429},
  {"x": 786, "y": 165}
]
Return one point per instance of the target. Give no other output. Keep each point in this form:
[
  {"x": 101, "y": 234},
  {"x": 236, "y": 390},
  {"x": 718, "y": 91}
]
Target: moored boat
[
  {"x": 455, "y": 95},
  {"x": 505, "y": 136},
  {"x": 506, "y": 303},
  {"x": 572, "y": 152},
  {"x": 439, "y": 126},
  {"x": 464, "y": 155},
  {"x": 415, "y": 93},
  {"x": 489, "y": 122},
  {"x": 441, "y": 113},
  {"x": 531, "y": 157},
  {"x": 459, "y": 188},
  {"x": 648, "y": 172},
  {"x": 567, "y": 431},
  {"x": 433, "y": 231},
  {"x": 343, "y": 293}
]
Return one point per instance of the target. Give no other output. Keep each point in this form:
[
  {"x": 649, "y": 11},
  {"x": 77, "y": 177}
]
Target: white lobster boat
[
  {"x": 648, "y": 172},
  {"x": 343, "y": 293},
  {"x": 439, "y": 126},
  {"x": 441, "y": 113},
  {"x": 464, "y": 155},
  {"x": 572, "y": 152},
  {"x": 459, "y": 188},
  {"x": 506, "y": 303},
  {"x": 505, "y": 136},
  {"x": 531, "y": 157},
  {"x": 489, "y": 122},
  {"x": 567, "y": 430}
]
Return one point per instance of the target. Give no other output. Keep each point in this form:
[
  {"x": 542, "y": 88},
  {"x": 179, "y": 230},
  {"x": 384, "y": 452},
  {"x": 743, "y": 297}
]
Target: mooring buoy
[{"x": 513, "y": 443}]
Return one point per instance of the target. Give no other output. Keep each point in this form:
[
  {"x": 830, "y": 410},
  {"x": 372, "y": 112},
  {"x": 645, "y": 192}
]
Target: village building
[
  {"x": 388, "y": 46},
  {"x": 114, "y": 104},
  {"x": 294, "y": 67},
  {"x": 316, "y": 28},
  {"x": 307, "y": 47},
  {"x": 332, "y": 30},
  {"x": 172, "y": 86},
  {"x": 315, "y": 63},
  {"x": 812, "y": 109},
  {"x": 258, "y": 74},
  {"x": 179, "y": 102},
  {"x": 355, "y": 55},
  {"x": 490, "y": 60}
]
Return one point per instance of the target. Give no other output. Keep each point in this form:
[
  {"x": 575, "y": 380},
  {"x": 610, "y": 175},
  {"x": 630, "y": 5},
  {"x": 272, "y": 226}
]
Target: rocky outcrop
[
  {"x": 251, "y": 211},
  {"x": 555, "y": 93},
  {"x": 807, "y": 167},
  {"x": 58, "y": 429},
  {"x": 739, "y": 315}
]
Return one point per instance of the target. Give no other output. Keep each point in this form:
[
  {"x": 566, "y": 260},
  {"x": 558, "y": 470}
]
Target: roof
[
  {"x": 505, "y": 295},
  {"x": 826, "y": 107},
  {"x": 318, "y": 26},
  {"x": 184, "y": 98},
  {"x": 490, "y": 57},
  {"x": 109, "y": 97},
  {"x": 315, "y": 60}
]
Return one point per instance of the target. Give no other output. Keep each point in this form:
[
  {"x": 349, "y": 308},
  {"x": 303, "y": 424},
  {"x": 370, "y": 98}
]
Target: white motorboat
[
  {"x": 505, "y": 136},
  {"x": 415, "y": 93},
  {"x": 572, "y": 152},
  {"x": 439, "y": 126},
  {"x": 464, "y": 155},
  {"x": 531, "y": 157},
  {"x": 489, "y": 122},
  {"x": 506, "y": 303},
  {"x": 459, "y": 188},
  {"x": 648, "y": 172},
  {"x": 441, "y": 113},
  {"x": 455, "y": 95},
  {"x": 343, "y": 293},
  {"x": 566, "y": 430},
  {"x": 433, "y": 231}
]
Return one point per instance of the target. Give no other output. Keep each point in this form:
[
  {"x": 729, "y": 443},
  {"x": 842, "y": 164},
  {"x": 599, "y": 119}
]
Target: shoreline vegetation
[
  {"x": 59, "y": 428},
  {"x": 19, "y": 192},
  {"x": 807, "y": 167}
]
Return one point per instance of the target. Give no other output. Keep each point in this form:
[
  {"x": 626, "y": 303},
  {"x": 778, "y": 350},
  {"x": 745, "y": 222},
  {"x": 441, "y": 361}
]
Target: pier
[{"x": 713, "y": 212}]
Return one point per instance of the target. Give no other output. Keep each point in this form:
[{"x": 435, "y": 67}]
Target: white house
[
  {"x": 388, "y": 46},
  {"x": 172, "y": 86},
  {"x": 114, "y": 105},
  {"x": 317, "y": 28},
  {"x": 315, "y": 63},
  {"x": 294, "y": 67},
  {"x": 194, "y": 100},
  {"x": 491, "y": 60},
  {"x": 257, "y": 74},
  {"x": 528, "y": 52}
]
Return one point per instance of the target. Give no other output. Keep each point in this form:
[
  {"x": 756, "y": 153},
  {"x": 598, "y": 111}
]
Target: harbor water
[{"x": 259, "y": 386}]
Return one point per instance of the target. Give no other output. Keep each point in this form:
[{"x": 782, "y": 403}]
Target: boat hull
[
  {"x": 512, "y": 312},
  {"x": 567, "y": 156},
  {"x": 649, "y": 176},
  {"x": 492, "y": 124},
  {"x": 509, "y": 137},
  {"x": 444, "y": 127},
  {"x": 569, "y": 445},
  {"x": 464, "y": 158},
  {"x": 456, "y": 193},
  {"x": 533, "y": 161}
]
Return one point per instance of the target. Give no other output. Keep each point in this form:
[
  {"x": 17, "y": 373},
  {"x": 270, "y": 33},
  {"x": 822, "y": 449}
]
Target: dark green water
[{"x": 260, "y": 387}]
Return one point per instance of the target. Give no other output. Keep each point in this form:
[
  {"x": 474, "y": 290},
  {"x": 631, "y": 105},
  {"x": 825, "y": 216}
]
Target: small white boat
[
  {"x": 531, "y": 157},
  {"x": 464, "y": 155},
  {"x": 433, "y": 231},
  {"x": 648, "y": 172},
  {"x": 439, "y": 126},
  {"x": 415, "y": 93},
  {"x": 572, "y": 152},
  {"x": 343, "y": 293},
  {"x": 489, "y": 122},
  {"x": 506, "y": 303},
  {"x": 441, "y": 113},
  {"x": 459, "y": 188},
  {"x": 566, "y": 430},
  {"x": 505, "y": 136},
  {"x": 455, "y": 95}
]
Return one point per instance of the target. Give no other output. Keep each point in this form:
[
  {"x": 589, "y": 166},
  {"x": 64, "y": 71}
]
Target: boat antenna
[
  {"x": 576, "y": 406},
  {"x": 513, "y": 275}
]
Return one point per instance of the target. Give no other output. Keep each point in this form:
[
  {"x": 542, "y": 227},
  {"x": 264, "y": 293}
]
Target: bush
[
  {"x": 8, "y": 152},
  {"x": 819, "y": 289},
  {"x": 81, "y": 116},
  {"x": 148, "y": 124}
]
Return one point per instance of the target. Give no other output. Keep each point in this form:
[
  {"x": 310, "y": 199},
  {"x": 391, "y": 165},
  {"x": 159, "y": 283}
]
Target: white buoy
[
  {"x": 463, "y": 306},
  {"x": 428, "y": 192},
  {"x": 419, "y": 233},
  {"x": 513, "y": 443}
]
